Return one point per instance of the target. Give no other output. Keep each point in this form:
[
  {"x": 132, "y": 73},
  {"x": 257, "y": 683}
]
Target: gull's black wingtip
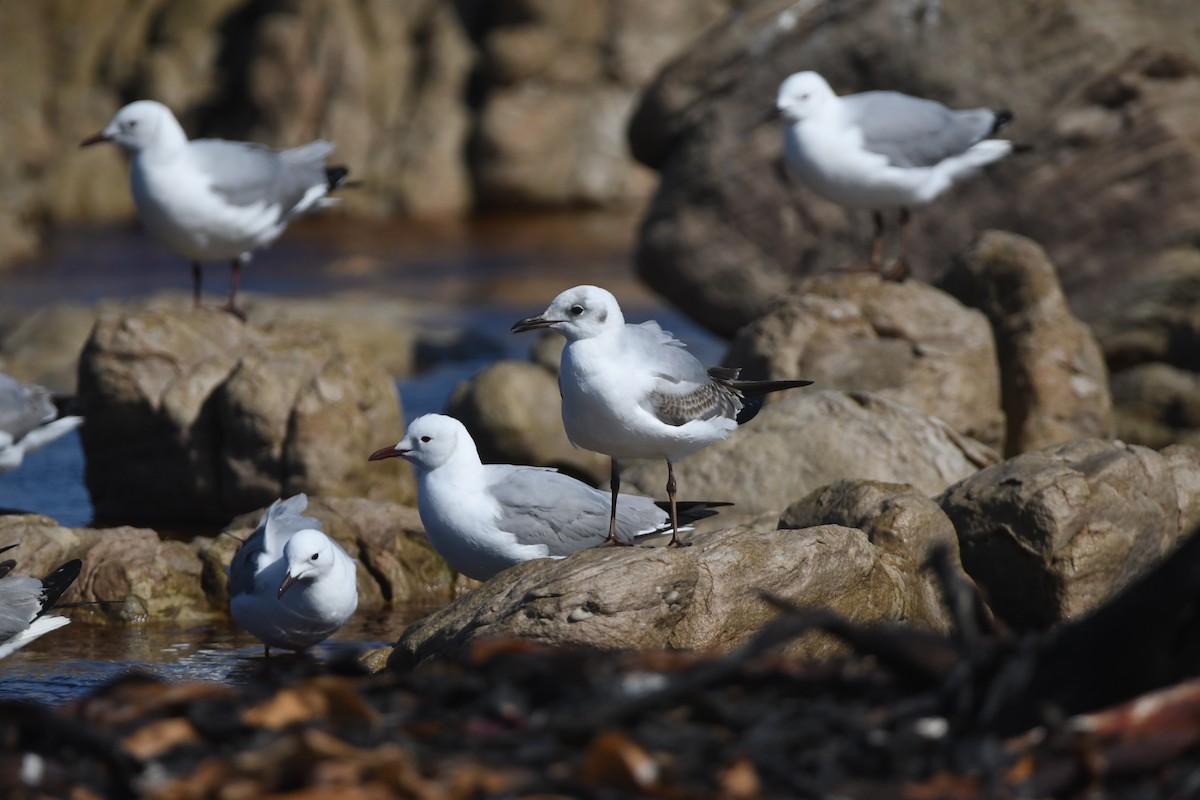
[
  {"x": 336, "y": 176},
  {"x": 1003, "y": 117}
]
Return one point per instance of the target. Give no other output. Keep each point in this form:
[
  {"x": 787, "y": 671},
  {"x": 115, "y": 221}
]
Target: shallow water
[{"x": 474, "y": 278}]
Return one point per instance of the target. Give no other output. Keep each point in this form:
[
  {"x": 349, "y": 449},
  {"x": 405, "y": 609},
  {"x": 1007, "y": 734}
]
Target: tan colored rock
[
  {"x": 1055, "y": 384},
  {"x": 903, "y": 523},
  {"x": 1050, "y": 535},
  {"x": 1157, "y": 404},
  {"x": 514, "y": 412},
  {"x": 703, "y": 597},
  {"x": 1107, "y": 100},
  {"x": 906, "y": 341},
  {"x": 197, "y": 416},
  {"x": 809, "y": 439}
]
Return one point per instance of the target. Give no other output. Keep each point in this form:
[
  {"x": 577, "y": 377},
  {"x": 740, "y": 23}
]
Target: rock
[
  {"x": 396, "y": 563},
  {"x": 514, "y": 412},
  {"x": 727, "y": 232},
  {"x": 1157, "y": 405},
  {"x": 906, "y": 341},
  {"x": 809, "y": 439},
  {"x": 129, "y": 575},
  {"x": 197, "y": 417},
  {"x": 42, "y": 345},
  {"x": 1050, "y": 535},
  {"x": 704, "y": 597},
  {"x": 1055, "y": 385},
  {"x": 902, "y": 523}
]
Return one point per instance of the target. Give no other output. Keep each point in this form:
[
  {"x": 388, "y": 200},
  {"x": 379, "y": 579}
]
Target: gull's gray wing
[
  {"x": 20, "y": 603},
  {"x": 683, "y": 390},
  {"x": 914, "y": 132},
  {"x": 282, "y": 519},
  {"x": 23, "y": 407},
  {"x": 542, "y": 506},
  {"x": 245, "y": 174}
]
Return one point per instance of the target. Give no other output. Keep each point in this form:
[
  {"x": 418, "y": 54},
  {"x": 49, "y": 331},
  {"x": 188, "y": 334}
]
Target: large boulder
[
  {"x": 704, "y": 597},
  {"x": 196, "y": 417},
  {"x": 1050, "y": 535},
  {"x": 906, "y": 341},
  {"x": 1107, "y": 100},
  {"x": 809, "y": 439},
  {"x": 1055, "y": 385}
]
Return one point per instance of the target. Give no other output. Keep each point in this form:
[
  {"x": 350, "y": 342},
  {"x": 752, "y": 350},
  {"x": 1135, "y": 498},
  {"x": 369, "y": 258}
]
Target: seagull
[
  {"x": 883, "y": 150},
  {"x": 484, "y": 518},
  {"x": 24, "y": 602},
  {"x": 633, "y": 391},
  {"x": 28, "y": 421},
  {"x": 212, "y": 199},
  {"x": 289, "y": 584}
]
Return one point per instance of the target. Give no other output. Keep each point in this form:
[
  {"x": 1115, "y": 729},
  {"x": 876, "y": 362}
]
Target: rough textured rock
[
  {"x": 197, "y": 416},
  {"x": 810, "y": 439},
  {"x": 903, "y": 523},
  {"x": 703, "y": 597},
  {"x": 514, "y": 413},
  {"x": 1107, "y": 99},
  {"x": 906, "y": 341},
  {"x": 1049, "y": 535},
  {"x": 1055, "y": 384},
  {"x": 1150, "y": 333},
  {"x": 435, "y": 105}
]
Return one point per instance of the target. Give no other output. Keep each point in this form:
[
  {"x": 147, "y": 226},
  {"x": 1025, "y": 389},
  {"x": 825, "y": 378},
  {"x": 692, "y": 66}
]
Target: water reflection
[{"x": 67, "y": 663}]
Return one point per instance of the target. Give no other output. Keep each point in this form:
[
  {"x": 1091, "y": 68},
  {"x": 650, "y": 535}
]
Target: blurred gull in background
[
  {"x": 28, "y": 420},
  {"x": 24, "y": 602}
]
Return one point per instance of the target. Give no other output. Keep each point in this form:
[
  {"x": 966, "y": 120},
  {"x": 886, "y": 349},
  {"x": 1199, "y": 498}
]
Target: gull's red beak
[
  {"x": 532, "y": 323},
  {"x": 287, "y": 584},
  {"x": 95, "y": 138},
  {"x": 386, "y": 452}
]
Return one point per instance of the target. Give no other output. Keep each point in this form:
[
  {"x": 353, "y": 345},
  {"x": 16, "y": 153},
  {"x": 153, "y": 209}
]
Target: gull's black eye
[
  {"x": 426, "y": 438},
  {"x": 576, "y": 310},
  {"x": 133, "y": 123},
  {"x": 314, "y": 556}
]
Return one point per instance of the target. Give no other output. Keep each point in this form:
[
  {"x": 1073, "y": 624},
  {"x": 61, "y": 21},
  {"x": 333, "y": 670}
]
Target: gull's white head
[
  {"x": 139, "y": 126},
  {"x": 309, "y": 555},
  {"x": 578, "y": 313},
  {"x": 430, "y": 441},
  {"x": 803, "y": 95}
]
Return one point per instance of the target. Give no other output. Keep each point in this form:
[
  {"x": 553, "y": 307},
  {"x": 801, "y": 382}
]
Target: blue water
[{"x": 477, "y": 280}]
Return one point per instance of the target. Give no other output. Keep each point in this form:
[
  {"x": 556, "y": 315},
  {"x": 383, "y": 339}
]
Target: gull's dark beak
[
  {"x": 768, "y": 114},
  {"x": 287, "y": 584},
  {"x": 391, "y": 451},
  {"x": 532, "y": 323},
  {"x": 95, "y": 138}
]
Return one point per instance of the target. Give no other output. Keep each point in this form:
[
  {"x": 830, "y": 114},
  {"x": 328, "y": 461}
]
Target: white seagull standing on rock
[
  {"x": 211, "y": 199},
  {"x": 633, "y": 391},
  {"x": 483, "y": 518},
  {"x": 883, "y": 150},
  {"x": 29, "y": 420},
  {"x": 289, "y": 584},
  {"x": 24, "y": 602}
]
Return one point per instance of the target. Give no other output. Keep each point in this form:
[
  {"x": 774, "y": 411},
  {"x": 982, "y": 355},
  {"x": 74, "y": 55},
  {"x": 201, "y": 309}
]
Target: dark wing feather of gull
[
  {"x": 543, "y": 506},
  {"x": 246, "y": 174},
  {"x": 914, "y": 132},
  {"x": 282, "y": 519},
  {"x": 684, "y": 390},
  {"x": 23, "y": 407}
]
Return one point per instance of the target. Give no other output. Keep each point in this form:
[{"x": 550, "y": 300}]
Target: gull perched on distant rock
[
  {"x": 484, "y": 518},
  {"x": 633, "y": 391},
  {"x": 28, "y": 420},
  {"x": 289, "y": 584},
  {"x": 211, "y": 199},
  {"x": 883, "y": 150},
  {"x": 24, "y": 602}
]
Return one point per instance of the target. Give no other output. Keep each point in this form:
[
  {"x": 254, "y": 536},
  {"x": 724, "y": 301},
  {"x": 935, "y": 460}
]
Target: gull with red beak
[
  {"x": 212, "y": 199},
  {"x": 289, "y": 584},
  {"x": 633, "y": 391}
]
